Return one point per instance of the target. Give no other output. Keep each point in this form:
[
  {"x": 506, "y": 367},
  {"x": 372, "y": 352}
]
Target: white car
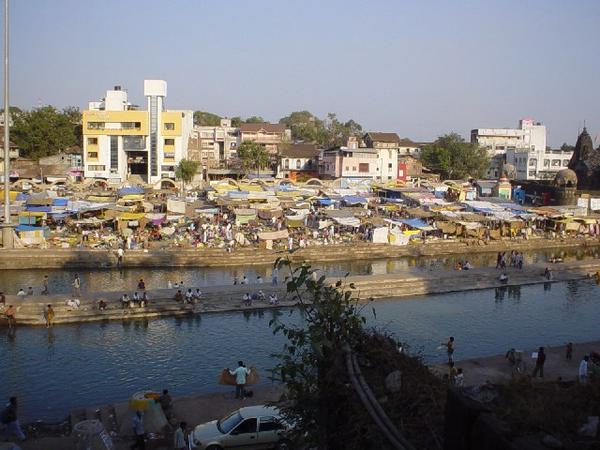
[{"x": 253, "y": 427}]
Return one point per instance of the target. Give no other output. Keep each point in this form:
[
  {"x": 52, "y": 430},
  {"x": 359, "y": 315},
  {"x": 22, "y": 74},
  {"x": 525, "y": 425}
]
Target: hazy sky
[{"x": 418, "y": 67}]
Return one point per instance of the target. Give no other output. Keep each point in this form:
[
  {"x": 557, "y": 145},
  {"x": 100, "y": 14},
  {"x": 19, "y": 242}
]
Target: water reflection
[
  {"x": 125, "y": 279},
  {"x": 58, "y": 369}
]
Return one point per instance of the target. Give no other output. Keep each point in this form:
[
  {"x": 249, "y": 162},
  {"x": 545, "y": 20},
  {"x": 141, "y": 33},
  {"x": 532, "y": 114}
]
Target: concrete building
[
  {"x": 271, "y": 135},
  {"x": 354, "y": 162},
  {"x": 524, "y": 148},
  {"x": 217, "y": 143},
  {"x": 298, "y": 162},
  {"x": 120, "y": 140}
]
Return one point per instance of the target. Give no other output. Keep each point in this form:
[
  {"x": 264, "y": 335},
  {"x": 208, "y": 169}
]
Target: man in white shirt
[
  {"x": 240, "y": 379},
  {"x": 583, "y": 370}
]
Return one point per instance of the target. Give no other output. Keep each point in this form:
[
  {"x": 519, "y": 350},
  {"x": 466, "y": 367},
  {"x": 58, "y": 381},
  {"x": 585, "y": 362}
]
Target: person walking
[
  {"x": 49, "y": 315},
  {"x": 138, "y": 432},
  {"x": 569, "y": 351},
  {"x": 77, "y": 286},
  {"x": 179, "y": 437},
  {"x": 240, "y": 373},
  {"x": 539, "y": 363},
  {"x": 10, "y": 421},
  {"x": 583, "y": 370},
  {"x": 274, "y": 277}
]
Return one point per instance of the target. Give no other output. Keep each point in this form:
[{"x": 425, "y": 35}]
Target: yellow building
[{"x": 120, "y": 140}]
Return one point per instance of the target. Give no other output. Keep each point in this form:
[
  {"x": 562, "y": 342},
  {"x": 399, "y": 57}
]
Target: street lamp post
[{"x": 7, "y": 232}]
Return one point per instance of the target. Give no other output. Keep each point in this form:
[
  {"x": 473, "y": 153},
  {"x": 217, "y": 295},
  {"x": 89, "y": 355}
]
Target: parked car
[{"x": 253, "y": 427}]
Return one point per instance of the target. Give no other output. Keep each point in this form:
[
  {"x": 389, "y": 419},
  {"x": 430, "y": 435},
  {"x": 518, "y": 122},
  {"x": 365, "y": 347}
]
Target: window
[
  {"x": 96, "y": 168},
  {"x": 169, "y": 155},
  {"x": 363, "y": 167},
  {"x": 92, "y": 155},
  {"x": 169, "y": 126},
  {"x": 167, "y": 168},
  {"x": 95, "y": 125},
  {"x": 347, "y": 169},
  {"x": 286, "y": 163},
  {"x": 389, "y": 165},
  {"x": 546, "y": 163},
  {"x": 298, "y": 164},
  {"x": 556, "y": 163},
  {"x": 565, "y": 163},
  {"x": 92, "y": 141},
  {"x": 130, "y": 125},
  {"x": 269, "y": 424},
  {"x": 169, "y": 141},
  {"x": 247, "y": 426},
  {"x": 532, "y": 162},
  {"x": 354, "y": 168}
]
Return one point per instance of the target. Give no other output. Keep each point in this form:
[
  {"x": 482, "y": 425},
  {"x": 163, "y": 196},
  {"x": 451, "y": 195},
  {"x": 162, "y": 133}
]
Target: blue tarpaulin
[
  {"x": 59, "y": 201},
  {"x": 130, "y": 191},
  {"x": 38, "y": 208},
  {"x": 416, "y": 223},
  {"x": 354, "y": 200},
  {"x": 325, "y": 201}
]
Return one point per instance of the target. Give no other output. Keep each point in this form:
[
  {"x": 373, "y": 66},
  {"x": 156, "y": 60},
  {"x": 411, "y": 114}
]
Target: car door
[
  {"x": 269, "y": 430},
  {"x": 243, "y": 436}
]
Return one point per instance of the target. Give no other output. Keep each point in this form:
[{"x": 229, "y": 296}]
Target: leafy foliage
[
  {"x": 253, "y": 156},
  {"x": 330, "y": 132},
  {"x": 46, "y": 131},
  {"x": 332, "y": 319},
  {"x": 203, "y": 118},
  {"x": 454, "y": 158},
  {"x": 186, "y": 170}
]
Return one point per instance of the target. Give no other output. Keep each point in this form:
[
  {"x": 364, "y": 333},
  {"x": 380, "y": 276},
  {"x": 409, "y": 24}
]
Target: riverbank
[
  {"x": 228, "y": 298},
  {"x": 193, "y": 409},
  {"x": 214, "y": 257},
  {"x": 497, "y": 369}
]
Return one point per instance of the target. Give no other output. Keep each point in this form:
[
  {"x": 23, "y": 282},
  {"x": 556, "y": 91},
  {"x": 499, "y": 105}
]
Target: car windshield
[{"x": 227, "y": 424}]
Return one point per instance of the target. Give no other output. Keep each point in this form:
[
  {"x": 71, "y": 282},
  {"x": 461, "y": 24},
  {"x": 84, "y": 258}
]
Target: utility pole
[{"x": 7, "y": 231}]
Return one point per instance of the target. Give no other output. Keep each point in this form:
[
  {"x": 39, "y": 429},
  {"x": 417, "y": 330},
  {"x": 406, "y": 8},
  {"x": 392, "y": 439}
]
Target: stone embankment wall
[
  {"x": 212, "y": 257},
  {"x": 229, "y": 298}
]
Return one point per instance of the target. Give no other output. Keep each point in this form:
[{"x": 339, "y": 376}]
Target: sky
[{"x": 420, "y": 68}]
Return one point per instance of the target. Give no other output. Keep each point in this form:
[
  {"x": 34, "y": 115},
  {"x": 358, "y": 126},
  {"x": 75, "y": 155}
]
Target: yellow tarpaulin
[
  {"x": 131, "y": 216},
  {"x": 12, "y": 195},
  {"x": 133, "y": 197},
  {"x": 32, "y": 214}
]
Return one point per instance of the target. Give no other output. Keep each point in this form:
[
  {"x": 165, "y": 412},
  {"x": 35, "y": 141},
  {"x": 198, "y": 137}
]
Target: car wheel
[{"x": 284, "y": 445}]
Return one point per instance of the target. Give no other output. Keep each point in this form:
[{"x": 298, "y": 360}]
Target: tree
[
  {"x": 185, "y": 172},
  {"x": 254, "y": 119},
  {"x": 337, "y": 133},
  {"x": 203, "y": 118},
  {"x": 253, "y": 156},
  {"x": 46, "y": 131},
  {"x": 454, "y": 158},
  {"x": 332, "y": 320},
  {"x": 305, "y": 127},
  {"x": 567, "y": 147}
]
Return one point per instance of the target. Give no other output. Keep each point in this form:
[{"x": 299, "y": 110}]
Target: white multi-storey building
[
  {"x": 120, "y": 140},
  {"x": 524, "y": 148}
]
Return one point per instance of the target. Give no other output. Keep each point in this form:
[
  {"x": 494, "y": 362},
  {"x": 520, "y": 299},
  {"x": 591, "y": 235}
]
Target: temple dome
[{"x": 565, "y": 177}]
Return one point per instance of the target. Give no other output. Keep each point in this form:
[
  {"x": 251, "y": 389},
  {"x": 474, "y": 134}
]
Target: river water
[
  {"x": 105, "y": 279},
  {"x": 54, "y": 371}
]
